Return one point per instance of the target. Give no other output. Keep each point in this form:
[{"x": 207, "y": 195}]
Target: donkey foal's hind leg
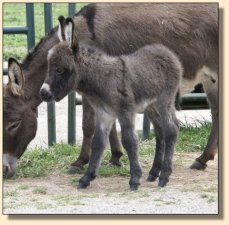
[
  {"x": 166, "y": 130},
  {"x": 129, "y": 142},
  {"x": 155, "y": 118},
  {"x": 171, "y": 128}
]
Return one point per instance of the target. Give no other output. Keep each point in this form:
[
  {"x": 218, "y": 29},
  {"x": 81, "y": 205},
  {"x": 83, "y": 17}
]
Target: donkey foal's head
[{"x": 61, "y": 64}]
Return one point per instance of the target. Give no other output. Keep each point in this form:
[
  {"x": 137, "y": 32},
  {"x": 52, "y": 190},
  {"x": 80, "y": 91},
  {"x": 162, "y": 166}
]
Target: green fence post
[
  {"x": 72, "y": 118},
  {"x": 146, "y": 127},
  {"x": 71, "y": 9},
  {"x": 30, "y": 25},
  {"x": 51, "y": 105},
  {"x": 72, "y": 98}
]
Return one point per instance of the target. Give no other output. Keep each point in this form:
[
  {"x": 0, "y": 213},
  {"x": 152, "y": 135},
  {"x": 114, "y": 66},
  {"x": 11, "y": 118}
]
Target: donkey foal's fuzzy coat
[{"x": 119, "y": 87}]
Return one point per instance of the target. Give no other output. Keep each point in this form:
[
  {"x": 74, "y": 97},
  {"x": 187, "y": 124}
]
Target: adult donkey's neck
[{"x": 35, "y": 67}]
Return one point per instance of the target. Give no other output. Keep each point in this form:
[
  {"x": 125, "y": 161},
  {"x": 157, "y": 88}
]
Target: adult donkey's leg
[
  {"x": 116, "y": 148},
  {"x": 88, "y": 125},
  {"x": 211, "y": 89}
]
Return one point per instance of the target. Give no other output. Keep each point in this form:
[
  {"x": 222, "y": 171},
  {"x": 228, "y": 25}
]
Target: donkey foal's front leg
[
  {"x": 103, "y": 126},
  {"x": 88, "y": 125}
]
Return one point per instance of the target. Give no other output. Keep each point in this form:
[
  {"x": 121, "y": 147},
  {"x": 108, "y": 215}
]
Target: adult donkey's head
[
  {"x": 20, "y": 101},
  {"x": 19, "y": 118}
]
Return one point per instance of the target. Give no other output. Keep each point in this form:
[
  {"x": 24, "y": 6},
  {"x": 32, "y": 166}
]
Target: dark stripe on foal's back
[
  {"x": 88, "y": 12},
  {"x": 122, "y": 89}
]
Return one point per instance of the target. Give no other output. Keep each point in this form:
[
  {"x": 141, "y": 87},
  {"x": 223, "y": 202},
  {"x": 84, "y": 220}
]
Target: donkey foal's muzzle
[{"x": 46, "y": 95}]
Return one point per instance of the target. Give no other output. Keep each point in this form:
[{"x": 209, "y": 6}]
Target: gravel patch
[{"x": 154, "y": 203}]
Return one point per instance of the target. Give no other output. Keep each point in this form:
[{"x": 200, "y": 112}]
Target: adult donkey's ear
[{"x": 16, "y": 77}]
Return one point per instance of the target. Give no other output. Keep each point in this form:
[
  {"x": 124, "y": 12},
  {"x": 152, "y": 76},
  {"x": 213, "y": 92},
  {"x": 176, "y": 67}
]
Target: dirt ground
[{"x": 188, "y": 192}]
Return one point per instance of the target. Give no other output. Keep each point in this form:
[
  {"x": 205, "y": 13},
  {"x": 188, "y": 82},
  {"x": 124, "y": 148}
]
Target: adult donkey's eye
[{"x": 12, "y": 127}]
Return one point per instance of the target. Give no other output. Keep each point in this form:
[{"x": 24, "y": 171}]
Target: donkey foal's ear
[
  {"x": 61, "y": 19},
  {"x": 61, "y": 28},
  {"x": 69, "y": 31},
  {"x": 16, "y": 77}
]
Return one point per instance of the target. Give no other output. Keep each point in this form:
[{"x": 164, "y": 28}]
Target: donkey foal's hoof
[
  {"x": 151, "y": 178},
  {"x": 134, "y": 187},
  {"x": 163, "y": 182},
  {"x": 82, "y": 185},
  {"x": 198, "y": 166}
]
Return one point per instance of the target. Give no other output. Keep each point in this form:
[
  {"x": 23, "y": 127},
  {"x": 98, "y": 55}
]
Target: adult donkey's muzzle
[
  {"x": 45, "y": 93},
  {"x": 9, "y": 166}
]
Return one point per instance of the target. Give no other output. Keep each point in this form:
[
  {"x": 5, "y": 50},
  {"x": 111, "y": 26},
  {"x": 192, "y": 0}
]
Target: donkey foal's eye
[{"x": 59, "y": 70}]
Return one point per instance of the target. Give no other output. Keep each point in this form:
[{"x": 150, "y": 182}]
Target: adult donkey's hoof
[
  {"x": 115, "y": 159},
  {"x": 198, "y": 165},
  {"x": 163, "y": 182},
  {"x": 115, "y": 163},
  {"x": 75, "y": 169}
]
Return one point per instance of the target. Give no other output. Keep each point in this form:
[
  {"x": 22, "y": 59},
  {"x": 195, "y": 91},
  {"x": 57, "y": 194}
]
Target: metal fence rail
[
  {"x": 188, "y": 102},
  {"x": 27, "y": 30}
]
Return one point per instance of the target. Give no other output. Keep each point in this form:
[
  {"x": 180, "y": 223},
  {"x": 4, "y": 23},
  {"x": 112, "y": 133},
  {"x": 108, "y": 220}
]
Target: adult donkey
[{"x": 190, "y": 30}]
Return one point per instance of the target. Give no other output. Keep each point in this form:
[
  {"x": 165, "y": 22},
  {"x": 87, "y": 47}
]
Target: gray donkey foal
[{"x": 119, "y": 87}]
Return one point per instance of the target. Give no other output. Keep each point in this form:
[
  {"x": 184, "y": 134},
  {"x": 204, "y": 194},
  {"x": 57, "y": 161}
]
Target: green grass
[
  {"x": 14, "y": 14},
  {"x": 13, "y": 193},
  {"x": 209, "y": 197},
  {"x": 193, "y": 138},
  {"x": 23, "y": 187},
  {"x": 40, "y": 191},
  {"x": 68, "y": 200},
  {"x": 41, "y": 162}
]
